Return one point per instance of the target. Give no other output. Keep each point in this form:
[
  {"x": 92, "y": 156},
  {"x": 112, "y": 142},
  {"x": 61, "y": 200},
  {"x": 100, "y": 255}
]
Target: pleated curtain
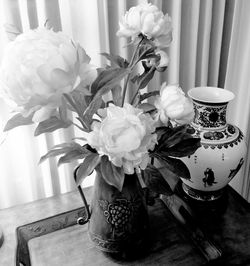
[{"x": 211, "y": 47}]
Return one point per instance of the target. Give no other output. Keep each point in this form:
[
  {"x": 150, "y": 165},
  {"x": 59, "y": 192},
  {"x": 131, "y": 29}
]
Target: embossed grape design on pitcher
[
  {"x": 119, "y": 219},
  {"x": 222, "y": 150}
]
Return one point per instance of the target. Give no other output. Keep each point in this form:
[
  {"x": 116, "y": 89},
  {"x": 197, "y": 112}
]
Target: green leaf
[
  {"x": 51, "y": 124},
  {"x": 113, "y": 175},
  {"x": 72, "y": 156},
  {"x": 143, "y": 79},
  {"x": 91, "y": 110},
  {"x": 147, "y": 51},
  {"x": 18, "y": 120},
  {"x": 77, "y": 101},
  {"x": 117, "y": 95},
  {"x": 87, "y": 167},
  {"x": 148, "y": 94},
  {"x": 65, "y": 148},
  {"x": 116, "y": 59},
  {"x": 160, "y": 131},
  {"x": 72, "y": 145},
  {"x": 176, "y": 142},
  {"x": 82, "y": 89},
  {"x": 155, "y": 181},
  {"x": 172, "y": 136},
  {"x": 86, "y": 110},
  {"x": 185, "y": 147},
  {"x": 53, "y": 153},
  {"x": 176, "y": 166},
  {"x": 178, "y": 134},
  {"x": 70, "y": 102},
  {"x": 147, "y": 107},
  {"x": 108, "y": 79}
]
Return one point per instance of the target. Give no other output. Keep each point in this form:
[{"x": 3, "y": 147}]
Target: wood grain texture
[{"x": 169, "y": 243}]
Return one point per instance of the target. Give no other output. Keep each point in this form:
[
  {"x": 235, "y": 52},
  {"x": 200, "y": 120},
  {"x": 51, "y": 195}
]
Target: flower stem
[
  {"x": 131, "y": 65},
  {"x": 125, "y": 88},
  {"x": 139, "y": 173}
]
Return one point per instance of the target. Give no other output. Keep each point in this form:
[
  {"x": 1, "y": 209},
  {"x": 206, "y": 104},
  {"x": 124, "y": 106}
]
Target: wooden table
[{"x": 169, "y": 243}]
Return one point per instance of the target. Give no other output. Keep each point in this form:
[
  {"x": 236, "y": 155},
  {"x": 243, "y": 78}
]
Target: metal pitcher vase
[{"x": 118, "y": 220}]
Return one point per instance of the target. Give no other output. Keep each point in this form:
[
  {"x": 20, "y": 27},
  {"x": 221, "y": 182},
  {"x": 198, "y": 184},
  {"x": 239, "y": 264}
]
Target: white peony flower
[
  {"x": 38, "y": 67},
  {"x": 173, "y": 104},
  {"x": 125, "y": 135},
  {"x": 148, "y": 20}
]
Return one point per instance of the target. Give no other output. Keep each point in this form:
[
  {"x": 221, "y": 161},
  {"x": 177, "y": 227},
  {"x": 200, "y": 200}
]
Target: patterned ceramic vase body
[
  {"x": 222, "y": 150},
  {"x": 119, "y": 220}
]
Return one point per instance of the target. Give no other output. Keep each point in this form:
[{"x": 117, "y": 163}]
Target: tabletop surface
[{"x": 229, "y": 229}]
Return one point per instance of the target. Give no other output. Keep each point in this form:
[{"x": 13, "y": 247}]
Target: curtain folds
[
  {"x": 211, "y": 47},
  {"x": 237, "y": 79},
  {"x": 218, "y": 12}
]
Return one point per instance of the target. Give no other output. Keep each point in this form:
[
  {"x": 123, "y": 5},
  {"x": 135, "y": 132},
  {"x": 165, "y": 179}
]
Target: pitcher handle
[{"x": 80, "y": 219}]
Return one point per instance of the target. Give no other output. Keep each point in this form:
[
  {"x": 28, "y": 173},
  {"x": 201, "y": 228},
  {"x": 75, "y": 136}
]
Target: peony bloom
[
  {"x": 124, "y": 134},
  {"x": 148, "y": 20},
  {"x": 173, "y": 104},
  {"x": 38, "y": 67}
]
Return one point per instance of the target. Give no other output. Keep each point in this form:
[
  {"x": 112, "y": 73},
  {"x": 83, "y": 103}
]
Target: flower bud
[{"x": 174, "y": 105}]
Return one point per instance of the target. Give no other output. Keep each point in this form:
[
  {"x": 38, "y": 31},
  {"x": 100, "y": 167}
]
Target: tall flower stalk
[{"x": 131, "y": 64}]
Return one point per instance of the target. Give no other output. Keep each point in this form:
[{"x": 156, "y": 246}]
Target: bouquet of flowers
[{"x": 48, "y": 77}]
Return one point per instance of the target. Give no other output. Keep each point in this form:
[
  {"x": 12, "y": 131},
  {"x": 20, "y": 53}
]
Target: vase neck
[{"x": 209, "y": 115}]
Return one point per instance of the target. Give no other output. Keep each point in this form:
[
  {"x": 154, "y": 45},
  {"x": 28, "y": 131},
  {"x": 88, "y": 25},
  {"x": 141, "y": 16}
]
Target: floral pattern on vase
[
  {"x": 222, "y": 150},
  {"x": 210, "y": 116}
]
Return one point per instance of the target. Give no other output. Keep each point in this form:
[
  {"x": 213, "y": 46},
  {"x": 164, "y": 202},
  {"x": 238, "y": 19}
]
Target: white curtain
[
  {"x": 237, "y": 79},
  {"x": 211, "y": 46}
]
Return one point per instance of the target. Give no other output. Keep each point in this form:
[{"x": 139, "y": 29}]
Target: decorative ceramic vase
[
  {"x": 118, "y": 220},
  {"x": 222, "y": 150}
]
